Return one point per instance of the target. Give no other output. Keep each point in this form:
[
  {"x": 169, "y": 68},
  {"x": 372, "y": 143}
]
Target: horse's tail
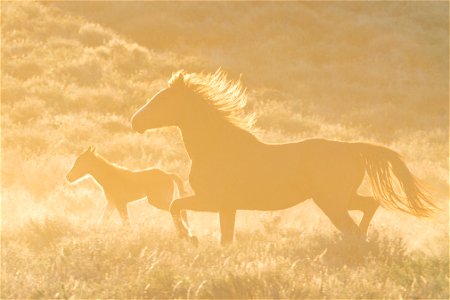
[
  {"x": 381, "y": 163},
  {"x": 179, "y": 182}
]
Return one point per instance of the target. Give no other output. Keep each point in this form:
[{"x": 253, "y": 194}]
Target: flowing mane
[{"x": 226, "y": 96}]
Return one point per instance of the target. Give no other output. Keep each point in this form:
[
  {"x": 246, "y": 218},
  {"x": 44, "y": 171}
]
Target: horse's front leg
[
  {"x": 195, "y": 203},
  {"x": 227, "y": 221}
]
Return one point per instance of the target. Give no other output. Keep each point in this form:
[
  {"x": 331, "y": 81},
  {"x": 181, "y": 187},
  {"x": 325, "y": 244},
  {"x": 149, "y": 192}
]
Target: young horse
[
  {"x": 121, "y": 186},
  {"x": 232, "y": 169}
]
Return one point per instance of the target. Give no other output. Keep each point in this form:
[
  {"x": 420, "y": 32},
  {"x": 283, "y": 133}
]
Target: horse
[
  {"x": 232, "y": 169},
  {"x": 121, "y": 186}
]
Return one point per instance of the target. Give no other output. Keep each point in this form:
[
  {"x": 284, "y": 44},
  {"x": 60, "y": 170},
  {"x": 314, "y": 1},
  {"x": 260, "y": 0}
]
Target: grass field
[{"x": 73, "y": 73}]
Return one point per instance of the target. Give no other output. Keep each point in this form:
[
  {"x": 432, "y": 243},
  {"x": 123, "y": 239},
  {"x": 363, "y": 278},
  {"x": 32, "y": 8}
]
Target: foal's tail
[
  {"x": 381, "y": 163},
  {"x": 179, "y": 182}
]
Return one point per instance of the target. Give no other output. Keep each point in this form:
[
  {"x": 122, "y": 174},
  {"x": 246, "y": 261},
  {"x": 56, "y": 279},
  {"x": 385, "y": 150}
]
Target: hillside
[
  {"x": 74, "y": 73},
  {"x": 355, "y": 60}
]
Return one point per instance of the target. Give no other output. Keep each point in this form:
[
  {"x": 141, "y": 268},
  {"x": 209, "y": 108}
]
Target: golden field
[{"x": 73, "y": 73}]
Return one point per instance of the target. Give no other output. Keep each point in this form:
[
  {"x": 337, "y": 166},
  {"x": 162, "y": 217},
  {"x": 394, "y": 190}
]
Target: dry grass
[{"x": 73, "y": 74}]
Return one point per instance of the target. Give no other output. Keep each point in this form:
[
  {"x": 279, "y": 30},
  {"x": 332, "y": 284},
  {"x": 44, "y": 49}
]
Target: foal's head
[{"x": 81, "y": 165}]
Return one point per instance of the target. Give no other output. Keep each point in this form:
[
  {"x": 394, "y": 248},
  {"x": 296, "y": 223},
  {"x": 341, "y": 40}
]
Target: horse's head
[
  {"x": 166, "y": 108},
  {"x": 81, "y": 165}
]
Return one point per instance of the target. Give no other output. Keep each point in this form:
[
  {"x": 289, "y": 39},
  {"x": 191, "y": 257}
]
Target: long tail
[
  {"x": 381, "y": 164},
  {"x": 179, "y": 182}
]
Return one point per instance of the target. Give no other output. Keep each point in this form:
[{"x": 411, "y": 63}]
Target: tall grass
[{"x": 145, "y": 262}]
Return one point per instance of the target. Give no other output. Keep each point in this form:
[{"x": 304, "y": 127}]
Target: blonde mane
[{"x": 226, "y": 96}]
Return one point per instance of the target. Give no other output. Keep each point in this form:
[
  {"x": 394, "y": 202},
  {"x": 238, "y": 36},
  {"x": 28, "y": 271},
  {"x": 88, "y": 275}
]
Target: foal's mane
[
  {"x": 228, "y": 97},
  {"x": 101, "y": 158}
]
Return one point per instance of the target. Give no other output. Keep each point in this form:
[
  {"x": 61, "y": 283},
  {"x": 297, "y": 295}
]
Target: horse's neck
[
  {"x": 213, "y": 137},
  {"x": 102, "y": 171}
]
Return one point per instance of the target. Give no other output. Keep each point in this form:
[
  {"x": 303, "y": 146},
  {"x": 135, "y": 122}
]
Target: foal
[{"x": 121, "y": 186}]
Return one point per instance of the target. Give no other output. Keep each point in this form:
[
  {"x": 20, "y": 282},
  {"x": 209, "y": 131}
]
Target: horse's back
[
  {"x": 331, "y": 166},
  {"x": 275, "y": 176},
  {"x": 293, "y": 172}
]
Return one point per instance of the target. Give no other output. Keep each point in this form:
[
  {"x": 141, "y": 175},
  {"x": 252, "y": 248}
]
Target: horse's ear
[
  {"x": 177, "y": 79},
  {"x": 91, "y": 149}
]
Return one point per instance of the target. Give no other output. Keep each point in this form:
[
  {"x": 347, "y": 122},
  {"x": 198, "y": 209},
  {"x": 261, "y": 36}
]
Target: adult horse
[{"x": 232, "y": 169}]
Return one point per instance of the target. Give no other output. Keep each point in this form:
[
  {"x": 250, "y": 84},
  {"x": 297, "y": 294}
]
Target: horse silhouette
[
  {"x": 121, "y": 186},
  {"x": 233, "y": 170}
]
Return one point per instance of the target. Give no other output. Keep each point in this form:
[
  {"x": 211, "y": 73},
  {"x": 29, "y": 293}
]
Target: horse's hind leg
[
  {"x": 368, "y": 205},
  {"x": 337, "y": 212}
]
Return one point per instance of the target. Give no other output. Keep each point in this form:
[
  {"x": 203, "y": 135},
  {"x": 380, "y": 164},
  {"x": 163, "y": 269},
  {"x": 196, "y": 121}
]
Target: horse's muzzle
[
  {"x": 136, "y": 124},
  {"x": 137, "y": 128},
  {"x": 69, "y": 179}
]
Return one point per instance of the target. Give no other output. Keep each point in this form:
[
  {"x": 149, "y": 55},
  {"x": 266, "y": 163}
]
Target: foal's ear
[{"x": 177, "y": 79}]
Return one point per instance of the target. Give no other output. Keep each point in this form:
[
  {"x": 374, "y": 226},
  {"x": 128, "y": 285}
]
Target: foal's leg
[
  {"x": 109, "y": 209},
  {"x": 227, "y": 221},
  {"x": 368, "y": 205},
  {"x": 338, "y": 214}
]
